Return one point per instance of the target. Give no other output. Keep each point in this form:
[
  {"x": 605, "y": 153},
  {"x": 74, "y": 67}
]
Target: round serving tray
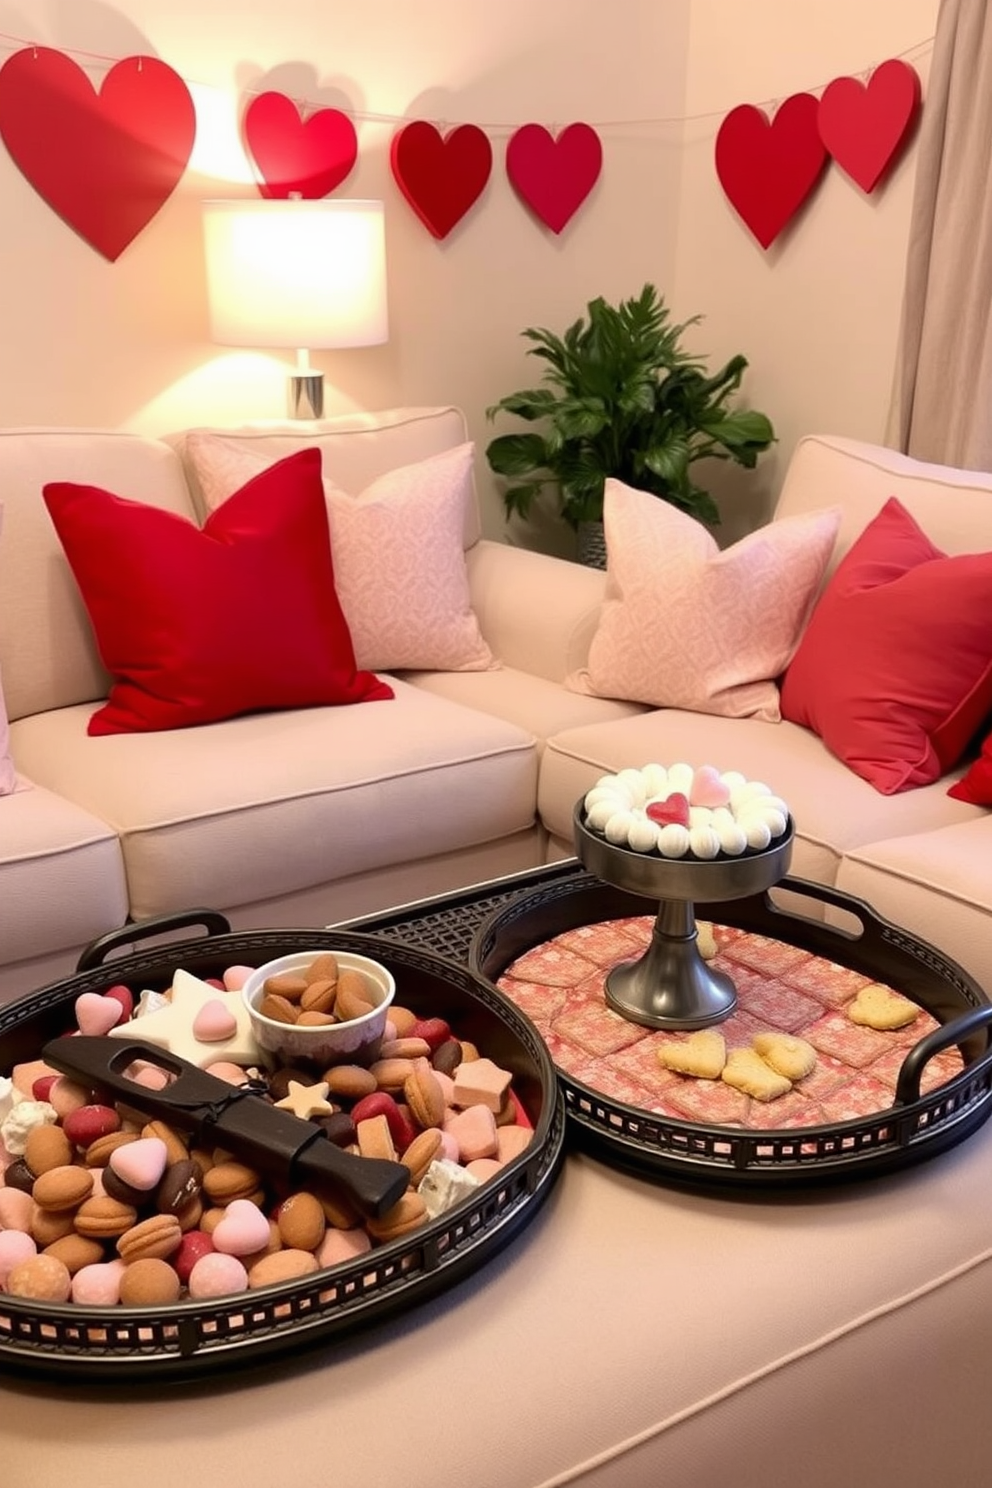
[
  {"x": 130, "y": 1344},
  {"x": 915, "y": 1127}
]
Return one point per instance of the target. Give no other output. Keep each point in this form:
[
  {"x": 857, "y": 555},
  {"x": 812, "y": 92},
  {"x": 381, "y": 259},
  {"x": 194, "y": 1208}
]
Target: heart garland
[
  {"x": 769, "y": 168},
  {"x": 864, "y": 126},
  {"x": 292, "y": 155},
  {"x": 553, "y": 176},
  {"x": 441, "y": 176},
  {"x": 106, "y": 161}
]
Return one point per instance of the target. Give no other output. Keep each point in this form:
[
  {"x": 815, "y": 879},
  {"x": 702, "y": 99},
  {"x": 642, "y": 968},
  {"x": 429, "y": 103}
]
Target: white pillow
[
  {"x": 8, "y": 777},
  {"x": 686, "y": 625},
  {"x": 397, "y": 550}
]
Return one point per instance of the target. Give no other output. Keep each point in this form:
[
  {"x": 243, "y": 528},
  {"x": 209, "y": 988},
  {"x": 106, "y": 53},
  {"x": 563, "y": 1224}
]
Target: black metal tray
[
  {"x": 132, "y": 1344},
  {"x": 915, "y": 1127}
]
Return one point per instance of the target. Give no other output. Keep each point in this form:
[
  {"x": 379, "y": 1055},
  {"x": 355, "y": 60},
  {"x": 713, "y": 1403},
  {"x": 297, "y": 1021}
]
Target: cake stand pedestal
[{"x": 671, "y": 986}]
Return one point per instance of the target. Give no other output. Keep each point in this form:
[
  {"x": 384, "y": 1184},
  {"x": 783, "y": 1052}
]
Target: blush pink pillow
[
  {"x": 686, "y": 625},
  {"x": 399, "y": 559}
]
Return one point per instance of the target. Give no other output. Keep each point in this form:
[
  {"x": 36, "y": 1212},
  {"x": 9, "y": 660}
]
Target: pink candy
[
  {"x": 217, "y": 1275},
  {"x": 15, "y": 1247},
  {"x": 96, "y": 1014},
  {"x": 243, "y": 1230},
  {"x": 98, "y": 1285},
  {"x": 140, "y": 1164}
]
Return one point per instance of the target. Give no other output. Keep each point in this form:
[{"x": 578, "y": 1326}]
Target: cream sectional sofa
[
  {"x": 325, "y": 813},
  {"x": 636, "y": 1332}
]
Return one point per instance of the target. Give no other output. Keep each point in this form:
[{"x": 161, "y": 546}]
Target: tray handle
[
  {"x": 96, "y": 953},
  {"x": 919, "y": 1056}
]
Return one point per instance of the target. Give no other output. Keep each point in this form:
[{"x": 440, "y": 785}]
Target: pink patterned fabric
[
  {"x": 399, "y": 562},
  {"x": 686, "y": 625}
]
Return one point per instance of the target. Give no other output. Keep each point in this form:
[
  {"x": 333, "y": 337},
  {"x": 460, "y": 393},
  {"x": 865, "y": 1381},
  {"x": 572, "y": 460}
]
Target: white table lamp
[{"x": 294, "y": 273}]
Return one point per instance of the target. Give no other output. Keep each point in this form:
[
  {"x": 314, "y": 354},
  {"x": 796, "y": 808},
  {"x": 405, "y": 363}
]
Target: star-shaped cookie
[
  {"x": 171, "y": 1026},
  {"x": 306, "y": 1101}
]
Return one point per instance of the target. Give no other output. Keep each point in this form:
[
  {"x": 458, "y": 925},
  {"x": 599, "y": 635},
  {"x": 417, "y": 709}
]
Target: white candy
[
  {"x": 605, "y": 793},
  {"x": 599, "y": 814},
  {"x": 643, "y": 835},
  {"x": 22, "y": 1118},
  {"x": 445, "y": 1184},
  {"x": 749, "y": 791},
  {"x": 733, "y": 839},
  {"x": 700, "y": 816},
  {"x": 757, "y": 834},
  {"x": 673, "y": 841},
  {"x": 633, "y": 781},
  {"x": 733, "y": 780},
  {"x": 680, "y": 778},
  {"x": 617, "y": 829},
  {"x": 704, "y": 841},
  {"x": 655, "y": 781},
  {"x": 6, "y": 1095}
]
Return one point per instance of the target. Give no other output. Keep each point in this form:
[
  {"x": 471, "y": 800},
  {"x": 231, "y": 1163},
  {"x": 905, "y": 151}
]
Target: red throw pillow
[
  {"x": 894, "y": 670},
  {"x": 976, "y": 786},
  {"x": 196, "y": 625}
]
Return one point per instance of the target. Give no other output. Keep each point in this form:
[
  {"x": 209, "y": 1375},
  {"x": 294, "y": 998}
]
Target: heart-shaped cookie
[
  {"x": 672, "y": 811},
  {"x": 243, "y": 1229},
  {"x": 881, "y": 1008},
  {"x": 214, "y": 1022},
  {"x": 702, "y": 1054},
  {"x": 96, "y": 1014},
  {"x": 140, "y": 1164}
]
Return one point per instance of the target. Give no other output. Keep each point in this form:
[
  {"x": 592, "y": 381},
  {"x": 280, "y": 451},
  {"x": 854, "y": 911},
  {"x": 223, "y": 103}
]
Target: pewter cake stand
[{"x": 671, "y": 986}]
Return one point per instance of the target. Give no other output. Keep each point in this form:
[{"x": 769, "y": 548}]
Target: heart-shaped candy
[
  {"x": 708, "y": 789},
  {"x": 97, "y": 1015},
  {"x": 674, "y": 809},
  {"x": 140, "y": 1164},
  {"x": 214, "y": 1022},
  {"x": 243, "y": 1229}
]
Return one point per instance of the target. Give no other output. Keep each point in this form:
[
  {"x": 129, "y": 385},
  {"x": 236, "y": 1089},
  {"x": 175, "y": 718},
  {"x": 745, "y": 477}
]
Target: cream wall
[
  {"x": 87, "y": 342},
  {"x": 817, "y": 314}
]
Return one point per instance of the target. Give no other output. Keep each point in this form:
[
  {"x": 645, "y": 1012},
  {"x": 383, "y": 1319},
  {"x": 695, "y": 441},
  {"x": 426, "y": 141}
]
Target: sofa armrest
[{"x": 537, "y": 612}]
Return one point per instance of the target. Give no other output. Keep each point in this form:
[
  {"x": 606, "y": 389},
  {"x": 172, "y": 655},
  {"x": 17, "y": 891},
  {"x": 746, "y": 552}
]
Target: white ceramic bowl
[{"x": 353, "y": 1042}]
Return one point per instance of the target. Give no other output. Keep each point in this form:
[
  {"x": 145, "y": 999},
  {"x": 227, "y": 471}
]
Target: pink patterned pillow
[
  {"x": 397, "y": 549},
  {"x": 686, "y": 625}
]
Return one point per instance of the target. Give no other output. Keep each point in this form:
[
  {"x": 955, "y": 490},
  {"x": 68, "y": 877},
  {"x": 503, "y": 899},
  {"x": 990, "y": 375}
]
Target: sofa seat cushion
[
  {"x": 542, "y": 708},
  {"x": 54, "y": 853},
  {"x": 269, "y": 803},
  {"x": 938, "y": 884},
  {"x": 833, "y": 809}
]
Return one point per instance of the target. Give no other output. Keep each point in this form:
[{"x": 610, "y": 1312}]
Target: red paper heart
[
  {"x": 864, "y": 127},
  {"x": 105, "y": 161},
  {"x": 769, "y": 169},
  {"x": 309, "y": 156},
  {"x": 674, "y": 809},
  {"x": 440, "y": 176},
  {"x": 554, "y": 176}
]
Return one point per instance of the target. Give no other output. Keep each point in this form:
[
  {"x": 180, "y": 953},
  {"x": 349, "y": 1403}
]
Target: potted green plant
[{"x": 622, "y": 397}]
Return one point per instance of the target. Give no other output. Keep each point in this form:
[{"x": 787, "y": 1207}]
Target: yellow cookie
[
  {"x": 746, "y": 1070},
  {"x": 705, "y": 940},
  {"x": 702, "y": 1054},
  {"x": 879, "y": 1007},
  {"x": 789, "y": 1056}
]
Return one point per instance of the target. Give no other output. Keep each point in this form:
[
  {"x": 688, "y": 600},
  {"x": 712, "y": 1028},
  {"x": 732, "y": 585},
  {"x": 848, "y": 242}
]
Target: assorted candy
[
  {"x": 101, "y": 1206},
  {"x": 680, "y": 811}
]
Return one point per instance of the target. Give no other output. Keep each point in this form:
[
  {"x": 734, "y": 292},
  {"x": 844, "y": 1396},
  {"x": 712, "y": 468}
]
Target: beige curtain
[{"x": 942, "y": 397}]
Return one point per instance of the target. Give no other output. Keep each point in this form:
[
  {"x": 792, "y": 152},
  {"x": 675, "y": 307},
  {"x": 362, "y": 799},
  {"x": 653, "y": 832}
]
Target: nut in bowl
[{"x": 319, "y": 1007}]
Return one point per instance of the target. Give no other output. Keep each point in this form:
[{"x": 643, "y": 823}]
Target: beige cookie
[
  {"x": 705, "y": 940},
  {"x": 789, "y": 1056},
  {"x": 746, "y": 1070},
  {"x": 879, "y": 1007},
  {"x": 702, "y": 1054}
]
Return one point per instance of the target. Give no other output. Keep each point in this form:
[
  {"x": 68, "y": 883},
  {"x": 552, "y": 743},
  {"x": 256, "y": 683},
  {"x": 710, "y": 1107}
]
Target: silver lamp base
[
  {"x": 671, "y": 986},
  {"x": 306, "y": 395}
]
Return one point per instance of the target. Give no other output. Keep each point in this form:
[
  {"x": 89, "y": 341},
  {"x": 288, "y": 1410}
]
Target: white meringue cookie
[
  {"x": 680, "y": 778},
  {"x": 617, "y": 829},
  {"x": 704, "y": 841},
  {"x": 673, "y": 841},
  {"x": 757, "y": 833},
  {"x": 643, "y": 834}
]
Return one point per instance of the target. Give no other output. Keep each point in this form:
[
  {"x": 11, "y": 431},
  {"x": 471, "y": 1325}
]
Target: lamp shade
[{"x": 291, "y": 273}]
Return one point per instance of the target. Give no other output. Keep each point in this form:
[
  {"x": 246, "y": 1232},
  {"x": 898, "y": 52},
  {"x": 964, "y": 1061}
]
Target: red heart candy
[{"x": 674, "y": 809}]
